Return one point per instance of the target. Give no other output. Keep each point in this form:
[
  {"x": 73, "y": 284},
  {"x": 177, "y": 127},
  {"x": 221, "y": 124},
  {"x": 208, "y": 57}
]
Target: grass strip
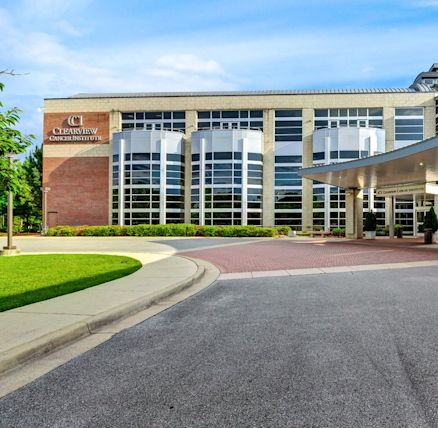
[{"x": 33, "y": 278}]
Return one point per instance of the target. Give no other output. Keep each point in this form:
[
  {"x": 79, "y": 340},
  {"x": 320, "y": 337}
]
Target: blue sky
[{"x": 67, "y": 46}]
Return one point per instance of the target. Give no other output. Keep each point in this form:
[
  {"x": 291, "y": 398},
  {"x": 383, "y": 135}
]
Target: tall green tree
[
  {"x": 28, "y": 200},
  {"x": 11, "y": 141}
]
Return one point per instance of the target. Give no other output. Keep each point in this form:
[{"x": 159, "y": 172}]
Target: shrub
[
  {"x": 178, "y": 229},
  {"x": 382, "y": 231},
  {"x": 244, "y": 231},
  {"x": 168, "y": 230},
  {"x": 283, "y": 230},
  {"x": 205, "y": 230},
  {"x": 430, "y": 220},
  {"x": 95, "y": 231},
  {"x": 62, "y": 231},
  {"x": 118, "y": 230},
  {"x": 338, "y": 231},
  {"x": 370, "y": 222}
]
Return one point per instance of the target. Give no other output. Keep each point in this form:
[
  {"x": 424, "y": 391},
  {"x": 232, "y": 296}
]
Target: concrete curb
[{"x": 47, "y": 343}]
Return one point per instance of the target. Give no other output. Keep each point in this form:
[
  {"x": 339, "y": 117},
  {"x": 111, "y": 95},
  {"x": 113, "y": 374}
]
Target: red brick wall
[
  {"x": 78, "y": 190},
  {"x": 78, "y": 185}
]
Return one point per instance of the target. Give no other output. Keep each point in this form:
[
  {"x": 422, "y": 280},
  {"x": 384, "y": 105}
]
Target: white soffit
[{"x": 417, "y": 163}]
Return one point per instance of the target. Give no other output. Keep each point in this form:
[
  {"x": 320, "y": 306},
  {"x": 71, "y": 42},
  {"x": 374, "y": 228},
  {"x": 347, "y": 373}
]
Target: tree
[
  {"x": 11, "y": 141},
  {"x": 28, "y": 201},
  {"x": 430, "y": 220},
  {"x": 370, "y": 222}
]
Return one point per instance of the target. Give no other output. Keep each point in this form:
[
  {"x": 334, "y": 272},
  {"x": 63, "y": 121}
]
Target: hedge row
[{"x": 169, "y": 230}]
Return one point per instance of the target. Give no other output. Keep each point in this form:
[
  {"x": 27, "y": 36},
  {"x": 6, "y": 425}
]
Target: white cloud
[
  {"x": 57, "y": 69},
  {"x": 427, "y": 3},
  {"x": 49, "y": 9},
  {"x": 68, "y": 28},
  {"x": 189, "y": 62}
]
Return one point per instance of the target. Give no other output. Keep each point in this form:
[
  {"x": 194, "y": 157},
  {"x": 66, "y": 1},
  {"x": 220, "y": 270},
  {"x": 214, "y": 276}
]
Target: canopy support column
[
  {"x": 354, "y": 213},
  {"x": 391, "y": 216}
]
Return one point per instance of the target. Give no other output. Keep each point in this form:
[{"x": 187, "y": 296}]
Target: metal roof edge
[{"x": 239, "y": 93}]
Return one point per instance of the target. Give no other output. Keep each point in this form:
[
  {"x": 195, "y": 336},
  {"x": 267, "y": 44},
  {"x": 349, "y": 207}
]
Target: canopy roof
[{"x": 417, "y": 163}]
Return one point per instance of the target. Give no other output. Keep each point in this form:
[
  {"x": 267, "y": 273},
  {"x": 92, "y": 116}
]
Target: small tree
[
  {"x": 28, "y": 201},
  {"x": 370, "y": 222},
  {"x": 431, "y": 220}
]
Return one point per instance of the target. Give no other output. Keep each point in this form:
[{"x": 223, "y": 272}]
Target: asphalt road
[{"x": 335, "y": 350}]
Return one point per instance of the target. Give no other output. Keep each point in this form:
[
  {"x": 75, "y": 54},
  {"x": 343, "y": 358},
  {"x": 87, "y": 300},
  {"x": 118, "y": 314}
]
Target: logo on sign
[{"x": 74, "y": 120}]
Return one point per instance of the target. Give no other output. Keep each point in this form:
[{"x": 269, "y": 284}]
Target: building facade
[{"x": 224, "y": 157}]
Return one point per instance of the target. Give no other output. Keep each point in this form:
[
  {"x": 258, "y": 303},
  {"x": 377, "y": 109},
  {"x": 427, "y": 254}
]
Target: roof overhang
[{"x": 417, "y": 163}]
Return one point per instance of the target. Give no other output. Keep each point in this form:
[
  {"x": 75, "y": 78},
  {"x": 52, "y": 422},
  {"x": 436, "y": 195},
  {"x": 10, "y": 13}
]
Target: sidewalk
[{"x": 41, "y": 327}]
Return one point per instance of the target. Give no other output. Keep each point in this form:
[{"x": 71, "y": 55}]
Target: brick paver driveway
[{"x": 290, "y": 254}]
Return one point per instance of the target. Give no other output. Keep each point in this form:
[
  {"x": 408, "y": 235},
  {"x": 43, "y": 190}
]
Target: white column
[
  {"x": 307, "y": 195},
  {"x": 268, "y": 204},
  {"x": 327, "y": 145},
  {"x": 327, "y": 148},
  {"x": 354, "y": 213},
  {"x": 122, "y": 182},
  {"x": 163, "y": 177},
  {"x": 415, "y": 231},
  {"x": 327, "y": 208},
  {"x": 388, "y": 215},
  {"x": 391, "y": 215},
  {"x": 371, "y": 199},
  {"x": 191, "y": 125},
  {"x": 244, "y": 181},
  {"x": 202, "y": 182}
]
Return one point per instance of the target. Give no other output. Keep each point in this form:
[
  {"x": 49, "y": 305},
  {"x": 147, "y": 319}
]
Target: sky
[{"x": 62, "y": 47}]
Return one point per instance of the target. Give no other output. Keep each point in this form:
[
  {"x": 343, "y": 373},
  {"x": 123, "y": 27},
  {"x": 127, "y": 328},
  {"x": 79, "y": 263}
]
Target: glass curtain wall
[
  {"x": 227, "y": 177},
  {"x": 148, "y": 177},
  {"x": 288, "y": 159},
  {"x": 340, "y": 145},
  {"x": 409, "y": 129}
]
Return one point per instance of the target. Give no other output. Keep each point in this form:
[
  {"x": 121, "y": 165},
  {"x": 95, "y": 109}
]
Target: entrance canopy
[{"x": 417, "y": 163}]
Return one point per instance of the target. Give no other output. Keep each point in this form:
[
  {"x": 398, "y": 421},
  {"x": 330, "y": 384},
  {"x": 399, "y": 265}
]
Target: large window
[
  {"x": 151, "y": 189},
  {"x": 224, "y": 187},
  {"x": 349, "y": 117},
  {"x": 231, "y": 119},
  {"x": 288, "y": 159},
  {"x": 141, "y": 183},
  {"x": 167, "y": 120},
  {"x": 227, "y": 185},
  {"x": 409, "y": 126}
]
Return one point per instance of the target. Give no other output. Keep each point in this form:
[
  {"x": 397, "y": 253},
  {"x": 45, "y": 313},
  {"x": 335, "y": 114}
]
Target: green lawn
[{"x": 29, "y": 279}]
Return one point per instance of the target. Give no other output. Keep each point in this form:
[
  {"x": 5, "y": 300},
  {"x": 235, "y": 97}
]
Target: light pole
[
  {"x": 45, "y": 225},
  {"x": 10, "y": 249}
]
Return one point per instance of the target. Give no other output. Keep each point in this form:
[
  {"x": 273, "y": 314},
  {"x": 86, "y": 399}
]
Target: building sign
[
  {"x": 75, "y": 131},
  {"x": 407, "y": 189}
]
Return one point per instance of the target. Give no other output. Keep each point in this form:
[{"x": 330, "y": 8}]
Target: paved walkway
[{"x": 288, "y": 254}]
